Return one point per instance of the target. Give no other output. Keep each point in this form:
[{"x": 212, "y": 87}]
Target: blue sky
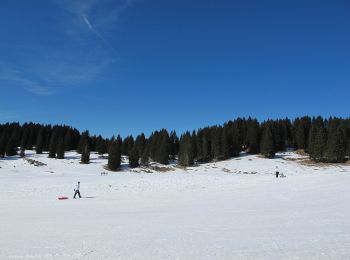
[{"x": 131, "y": 66}]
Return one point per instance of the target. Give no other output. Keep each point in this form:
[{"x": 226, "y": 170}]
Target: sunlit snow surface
[{"x": 233, "y": 209}]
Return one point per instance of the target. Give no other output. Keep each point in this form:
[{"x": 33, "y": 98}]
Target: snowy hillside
[{"x": 233, "y": 209}]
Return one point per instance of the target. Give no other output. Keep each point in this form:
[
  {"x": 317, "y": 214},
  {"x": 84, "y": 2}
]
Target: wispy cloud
[
  {"x": 82, "y": 53},
  {"x": 34, "y": 87}
]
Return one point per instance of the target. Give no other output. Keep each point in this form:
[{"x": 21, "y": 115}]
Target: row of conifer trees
[{"x": 325, "y": 140}]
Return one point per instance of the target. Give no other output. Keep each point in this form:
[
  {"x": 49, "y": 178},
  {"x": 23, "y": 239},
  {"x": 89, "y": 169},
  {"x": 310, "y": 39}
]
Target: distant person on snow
[
  {"x": 77, "y": 192},
  {"x": 277, "y": 172}
]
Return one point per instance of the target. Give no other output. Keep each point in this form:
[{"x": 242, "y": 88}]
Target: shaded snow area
[{"x": 234, "y": 209}]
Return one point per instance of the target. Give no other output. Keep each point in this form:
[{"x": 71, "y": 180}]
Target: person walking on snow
[
  {"x": 76, "y": 191},
  {"x": 277, "y": 172}
]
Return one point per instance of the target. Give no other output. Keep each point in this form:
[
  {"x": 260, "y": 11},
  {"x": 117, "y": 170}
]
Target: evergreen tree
[
  {"x": 174, "y": 144},
  {"x": 225, "y": 144},
  {"x": 193, "y": 144},
  {"x": 267, "y": 146},
  {"x": 53, "y": 145},
  {"x": 40, "y": 141},
  {"x": 2, "y": 146},
  {"x": 11, "y": 148},
  {"x": 253, "y": 133},
  {"x": 145, "y": 156},
  {"x": 68, "y": 141},
  {"x": 317, "y": 141},
  {"x": 85, "y": 155},
  {"x": 127, "y": 145},
  {"x": 134, "y": 158},
  {"x": 162, "y": 153},
  {"x": 336, "y": 147},
  {"x": 114, "y": 156},
  {"x": 84, "y": 139},
  {"x": 60, "y": 148},
  {"x": 23, "y": 146},
  {"x": 216, "y": 145},
  {"x": 300, "y": 136},
  {"x": 140, "y": 143},
  {"x": 186, "y": 150},
  {"x": 101, "y": 145}
]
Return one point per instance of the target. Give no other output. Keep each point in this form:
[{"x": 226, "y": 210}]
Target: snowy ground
[{"x": 228, "y": 210}]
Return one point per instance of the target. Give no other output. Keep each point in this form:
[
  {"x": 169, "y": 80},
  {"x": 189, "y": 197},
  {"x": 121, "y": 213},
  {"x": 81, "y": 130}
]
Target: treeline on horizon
[{"x": 325, "y": 140}]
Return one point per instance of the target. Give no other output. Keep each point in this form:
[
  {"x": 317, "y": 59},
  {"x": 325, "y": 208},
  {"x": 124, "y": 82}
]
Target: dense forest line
[{"x": 325, "y": 140}]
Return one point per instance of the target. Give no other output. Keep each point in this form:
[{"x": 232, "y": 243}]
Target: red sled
[{"x": 63, "y": 198}]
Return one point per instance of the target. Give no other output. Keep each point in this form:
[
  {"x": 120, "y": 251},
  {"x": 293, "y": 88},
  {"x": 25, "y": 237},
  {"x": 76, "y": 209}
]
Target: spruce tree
[
  {"x": 53, "y": 145},
  {"x": 85, "y": 155},
  {"x": 140, "y": 143},
  {"x": 267, "y": 146},
  {"x": 2, "y": 146},
  {"x": 114, "y": 156},
  {"x": 186, "y": 150},
  {"x": 101, "y": 146},
  {"x": 317, "y": 142},
  {"x": 40, "y": 141},
  {"x": 194, "y": 144},
  {"x": 134, "y": 157},
  {"x": 11, "y": 148},
  {"x": 145, "y": 156},
  {"x": 84, "y": 138},
  {"x": 336, "y": 147},
  {"x": 162, "y": 151},
  {"x": 216, "y": 144},
  {"x": 225, "y": 144},
  {"x": 174, "y": 143},
  {"x": 60, "y": 148},
  {"x": 300, "y": 136},
  {"x": 253, "y": 133},
  {"x": 23, "y": 147},
  {"x": 68, "y": 141}
]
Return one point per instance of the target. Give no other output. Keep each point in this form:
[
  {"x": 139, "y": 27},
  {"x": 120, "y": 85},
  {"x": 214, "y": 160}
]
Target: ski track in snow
[{"x": 233, "y": 209}]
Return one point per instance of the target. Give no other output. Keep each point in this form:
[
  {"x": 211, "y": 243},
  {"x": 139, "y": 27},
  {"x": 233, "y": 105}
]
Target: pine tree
[
  {"x": 101, "y": 146},
  {"x": 162, "y": 153},
  {"x": 114, "y": 156},
  {"x": 336, "y": 147},
  {"x": 145, "y": 156},
  {"x": 68, "y": 141},
  {"x": 253, "y": 133},
  {"x": 186, "y": 150},
  {"x": 134, "y": 158},
  {"x": 40, "y": 141},
  {"x": 317, "y": 142},
  {"x": 216, "y": 145},
  {"x": 84, "y": 139},
  {"x": 2, "y": 146},
  {"x": 85, "y": 155},
  {"x": 11, "y": 148},
  {"x": 24, "y": 141},
  {"x": 53, "y": 144},
  {"x": 267, "y": 146},
  {"x": 194, "y": 144},
  {"x": 300, "y": 136},
  {"x": 60, "y": 148},
  {"x": 141, "y": 143},
  {"x": 225, "y": 144},
  {"x": 174, "y": 143}
]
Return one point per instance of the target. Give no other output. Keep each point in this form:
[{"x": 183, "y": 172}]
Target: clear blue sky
[{"x": 130, "y": 66}]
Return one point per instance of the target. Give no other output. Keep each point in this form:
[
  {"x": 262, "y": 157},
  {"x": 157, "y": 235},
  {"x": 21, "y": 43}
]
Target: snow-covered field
[{"x": 234, "y": 209}]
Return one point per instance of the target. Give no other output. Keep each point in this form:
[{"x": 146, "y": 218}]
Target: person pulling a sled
[{"x": 76, "y": 191}]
